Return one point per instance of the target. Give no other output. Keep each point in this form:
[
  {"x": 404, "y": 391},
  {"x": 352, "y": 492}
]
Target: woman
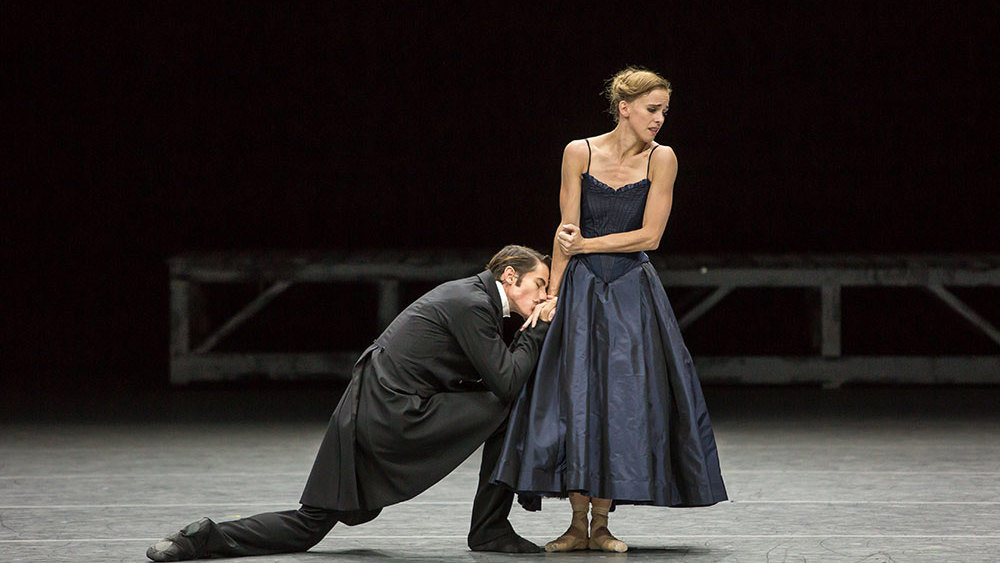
[{"x": 615, "y": 413}]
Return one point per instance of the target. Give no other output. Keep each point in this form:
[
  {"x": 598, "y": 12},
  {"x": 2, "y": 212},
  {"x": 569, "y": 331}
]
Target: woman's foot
[
  {"x": 600, "y": 537},
  {"x": 575, "y": 537},
  {"x": 573, "y": 540},
  {"x": 602, "y": 540}
]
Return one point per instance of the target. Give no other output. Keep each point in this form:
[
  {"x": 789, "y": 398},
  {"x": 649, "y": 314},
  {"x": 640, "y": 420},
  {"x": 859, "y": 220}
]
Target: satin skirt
[{"x": 615, "y": 409}]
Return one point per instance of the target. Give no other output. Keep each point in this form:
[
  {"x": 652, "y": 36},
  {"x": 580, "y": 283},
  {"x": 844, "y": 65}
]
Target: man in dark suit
[{"x": 433, "y": 387}]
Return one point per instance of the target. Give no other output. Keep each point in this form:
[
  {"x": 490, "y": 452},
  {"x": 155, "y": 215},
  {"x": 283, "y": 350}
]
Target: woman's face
[{"x": 646, "y": 113}]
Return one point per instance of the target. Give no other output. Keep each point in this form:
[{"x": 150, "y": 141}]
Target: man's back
[{"x": 421, "y": 343}]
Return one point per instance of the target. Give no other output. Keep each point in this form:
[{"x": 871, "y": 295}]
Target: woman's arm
[
  {"x": 574, "y": 162},
  {"x": 662, "y": 172}
]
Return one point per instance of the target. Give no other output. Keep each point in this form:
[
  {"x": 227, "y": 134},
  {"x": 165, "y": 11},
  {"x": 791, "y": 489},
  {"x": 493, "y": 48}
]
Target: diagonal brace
[
  {"x": 243, "y": 316},
  {"x": 962, "y": 309},
  {"x": 701, "y": 308}
]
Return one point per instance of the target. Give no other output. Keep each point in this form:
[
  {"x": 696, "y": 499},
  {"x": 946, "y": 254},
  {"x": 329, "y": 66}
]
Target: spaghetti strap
[
  {"x": 588, "y": 157},
  {"x": 650, "y": 161}
]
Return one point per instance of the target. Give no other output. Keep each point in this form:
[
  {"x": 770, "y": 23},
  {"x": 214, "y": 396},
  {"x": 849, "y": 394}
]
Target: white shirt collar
[{"x": 503, "y": 300}]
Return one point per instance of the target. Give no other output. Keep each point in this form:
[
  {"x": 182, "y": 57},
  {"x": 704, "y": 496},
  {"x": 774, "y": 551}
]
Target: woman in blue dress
[{"x": 615, "y": 412}]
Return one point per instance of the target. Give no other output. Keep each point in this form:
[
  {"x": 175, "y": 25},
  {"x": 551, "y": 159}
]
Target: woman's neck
[{"x": 624, "y": 143}]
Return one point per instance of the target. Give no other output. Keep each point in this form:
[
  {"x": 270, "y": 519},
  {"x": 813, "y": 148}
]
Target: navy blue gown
[{"x": 615, "y": 409}]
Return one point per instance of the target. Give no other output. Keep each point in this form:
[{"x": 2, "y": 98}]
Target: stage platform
[{"x": 861, "y": 474}]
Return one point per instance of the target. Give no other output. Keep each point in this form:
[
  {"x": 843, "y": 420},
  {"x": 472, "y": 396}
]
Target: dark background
[{"x": 135, "y": 131}]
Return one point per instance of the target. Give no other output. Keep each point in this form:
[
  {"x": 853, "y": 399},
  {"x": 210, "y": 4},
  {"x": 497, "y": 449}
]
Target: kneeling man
[{"x": 431, "y": 389}]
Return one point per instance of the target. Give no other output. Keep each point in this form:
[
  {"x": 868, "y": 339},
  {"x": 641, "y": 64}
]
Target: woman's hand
[
  {"x": 548, "y": 309},
  {"x": 570, "y": 239},
  {"x": 545, "y": 311}
]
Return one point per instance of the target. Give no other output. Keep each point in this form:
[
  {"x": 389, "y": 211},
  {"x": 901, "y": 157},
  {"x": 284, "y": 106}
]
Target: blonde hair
[{"x": 630, "y": 83}]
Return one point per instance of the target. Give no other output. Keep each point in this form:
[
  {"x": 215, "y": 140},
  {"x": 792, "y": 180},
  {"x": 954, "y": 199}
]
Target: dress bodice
[{"x": 605, "y": 210}]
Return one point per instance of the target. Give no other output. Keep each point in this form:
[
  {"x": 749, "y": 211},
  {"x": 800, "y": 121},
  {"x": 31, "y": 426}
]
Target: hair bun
[{"x": 630, "y": 83}]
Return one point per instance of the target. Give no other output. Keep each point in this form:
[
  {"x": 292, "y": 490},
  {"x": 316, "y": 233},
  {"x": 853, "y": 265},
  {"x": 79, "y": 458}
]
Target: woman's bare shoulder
[
  {"x": 576, "y": 153},
  {"x": 577, "y": 148},
  {"x": 664, "y": 151},
  {"x": 664, "y": 161},
  {"x": 664, "y": 155}
]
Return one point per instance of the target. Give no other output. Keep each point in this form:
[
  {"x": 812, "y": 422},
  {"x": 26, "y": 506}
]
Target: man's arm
[{"x": 503, "y": 371}]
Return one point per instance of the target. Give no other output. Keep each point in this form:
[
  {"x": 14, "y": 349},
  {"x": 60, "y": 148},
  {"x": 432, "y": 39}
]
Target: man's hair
[{"x": 521, "y": 258}]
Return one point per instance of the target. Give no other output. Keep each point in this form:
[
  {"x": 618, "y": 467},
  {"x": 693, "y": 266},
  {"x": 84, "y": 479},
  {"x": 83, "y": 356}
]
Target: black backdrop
[{"x": 136, "y": 131}]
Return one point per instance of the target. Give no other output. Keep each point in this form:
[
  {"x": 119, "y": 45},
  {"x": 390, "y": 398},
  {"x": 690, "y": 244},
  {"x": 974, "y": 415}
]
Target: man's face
[{"x": 526, "y": 291}]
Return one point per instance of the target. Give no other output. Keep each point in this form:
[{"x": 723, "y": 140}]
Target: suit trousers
[{"x": 298, "y": 530}]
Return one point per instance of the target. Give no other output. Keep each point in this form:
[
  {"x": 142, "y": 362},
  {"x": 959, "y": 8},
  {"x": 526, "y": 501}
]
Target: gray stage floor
[{"x": 872, "y": 475}]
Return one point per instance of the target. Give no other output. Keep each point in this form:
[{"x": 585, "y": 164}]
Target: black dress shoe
[
  {"x": 183, "y": 545},
  {"x": 512, "y": 543}
]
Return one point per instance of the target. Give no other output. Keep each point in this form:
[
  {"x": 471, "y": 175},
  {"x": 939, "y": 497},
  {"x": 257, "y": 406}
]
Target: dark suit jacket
[{"x": 422, "y": 398}]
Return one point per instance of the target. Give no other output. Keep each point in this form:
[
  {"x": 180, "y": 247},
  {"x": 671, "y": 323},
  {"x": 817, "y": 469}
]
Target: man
[{"x": 432, "y": 388}]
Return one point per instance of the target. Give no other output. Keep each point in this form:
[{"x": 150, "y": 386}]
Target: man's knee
[
  {"x": 316, "y": 522},
  {"x": 322, "y": 518},
  {"x": 359, "y": 516},
  {"x": 316, "y": 514}
]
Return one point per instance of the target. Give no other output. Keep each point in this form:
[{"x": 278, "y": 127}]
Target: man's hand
[
  {"x": 570, "y": 239},
  {"x": 545, "y": 311}
]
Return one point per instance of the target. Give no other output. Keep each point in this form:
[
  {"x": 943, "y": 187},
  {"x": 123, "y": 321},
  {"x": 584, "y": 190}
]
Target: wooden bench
[{"x": 827, "y": 274}]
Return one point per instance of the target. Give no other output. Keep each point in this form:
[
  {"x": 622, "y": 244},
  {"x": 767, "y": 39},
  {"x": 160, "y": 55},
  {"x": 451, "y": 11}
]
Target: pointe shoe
[
  {"x": 566, "y": 542},
  {"x": 601, "y": 538},
  {"x": 575, "y": 537}
]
